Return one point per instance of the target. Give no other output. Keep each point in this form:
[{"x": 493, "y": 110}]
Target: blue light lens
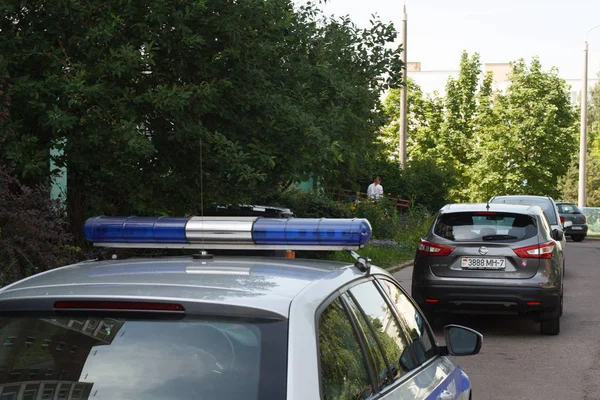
[
  {"x": 311, "y": 231},
  {"x": 135, "y": 230}
]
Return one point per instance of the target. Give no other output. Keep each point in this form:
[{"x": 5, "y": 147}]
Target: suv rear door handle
[{"x": 446, "y": 395}]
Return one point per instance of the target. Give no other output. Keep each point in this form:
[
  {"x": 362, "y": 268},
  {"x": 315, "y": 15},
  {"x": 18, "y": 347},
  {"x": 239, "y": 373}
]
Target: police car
[{"x": 207, "y": 326}]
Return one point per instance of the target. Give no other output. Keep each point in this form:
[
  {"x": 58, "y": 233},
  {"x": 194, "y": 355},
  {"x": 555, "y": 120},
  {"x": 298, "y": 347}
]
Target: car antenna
[
  {"x": 203, "y": 255},
  {"x": 487, "y": 207}
]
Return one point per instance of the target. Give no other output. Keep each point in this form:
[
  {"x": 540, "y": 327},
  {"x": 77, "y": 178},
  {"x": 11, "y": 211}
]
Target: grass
[
  {"x": 388, "y": 253},
  {"x": 382, "y": 256}
]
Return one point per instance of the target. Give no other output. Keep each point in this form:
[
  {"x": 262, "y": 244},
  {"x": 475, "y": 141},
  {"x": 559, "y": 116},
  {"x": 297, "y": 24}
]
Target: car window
[
  {"x": 385, "y": 325},
  {"x": 485, "y": 226},
  {"x": 421, "y": 340},
  {"x": 568, "y": 209},
  {"x": 385, "y": 373},
  {"x": 123, "y": 358},
  {"x": 342, "y": 366},
  {"x": 546, "y": 204}
]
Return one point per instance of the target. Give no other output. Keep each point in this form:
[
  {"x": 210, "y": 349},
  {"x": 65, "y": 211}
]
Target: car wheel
[
  {"x": 550, "y": 326},
  {"x": 578, "y": 238}
]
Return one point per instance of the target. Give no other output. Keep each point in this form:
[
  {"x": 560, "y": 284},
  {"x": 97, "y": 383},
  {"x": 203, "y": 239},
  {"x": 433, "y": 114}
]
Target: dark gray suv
[{"x": 489, "y": 258}]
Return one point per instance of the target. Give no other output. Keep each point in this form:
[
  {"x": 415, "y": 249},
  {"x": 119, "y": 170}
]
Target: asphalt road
[{"x": 516, "y": 362}]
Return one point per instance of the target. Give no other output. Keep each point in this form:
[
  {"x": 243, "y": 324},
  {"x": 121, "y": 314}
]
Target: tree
[
  {"x": 424, "y": 120},
  {"x": 530, "y": 134},
  {"x": 160, "y": 100},
  {"x": 568, "y": 185},
  {"x": 457, "y": 131}
]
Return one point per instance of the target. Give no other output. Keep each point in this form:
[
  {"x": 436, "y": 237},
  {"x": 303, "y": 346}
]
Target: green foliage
[
  {"x": 309, "y": 204},
  {"x": 156, "y": 97},
  {"x": 400, "y": 246},
  {"x": 476, "y": 143},
  {"x": 33, "y": 233},
  {"x": 531, "y": 135},
  {"x": 593, "y": 121},
  {"x": 381, "y": 214},
  {"x": 568, "y": 185},
  {"x": 428, "y": 184}
]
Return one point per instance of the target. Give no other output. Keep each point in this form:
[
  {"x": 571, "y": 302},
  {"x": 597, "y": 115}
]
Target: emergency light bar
[{"x": 233, "y": 233}]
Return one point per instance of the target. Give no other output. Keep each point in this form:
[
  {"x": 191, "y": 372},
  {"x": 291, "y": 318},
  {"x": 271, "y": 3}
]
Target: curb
[{"x": 399, "y": 267}]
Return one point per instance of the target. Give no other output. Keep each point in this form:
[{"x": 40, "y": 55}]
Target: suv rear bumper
[{"x": 486, "y": 299}]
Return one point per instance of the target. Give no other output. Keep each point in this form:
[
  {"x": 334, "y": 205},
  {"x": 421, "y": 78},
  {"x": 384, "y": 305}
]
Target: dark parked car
[
  {"x": 491, "y": 258},
  {"x": 547, "y": 204},
  {"x": 569, "y": 212}
]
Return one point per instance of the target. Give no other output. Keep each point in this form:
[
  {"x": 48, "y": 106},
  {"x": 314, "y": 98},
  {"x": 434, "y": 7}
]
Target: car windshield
[
  {"x": 568, "y": 209},
  {"x": 544, "y": 203},
  {"x": 120, "y": 358},
  {"x": 485, "y": 226}
]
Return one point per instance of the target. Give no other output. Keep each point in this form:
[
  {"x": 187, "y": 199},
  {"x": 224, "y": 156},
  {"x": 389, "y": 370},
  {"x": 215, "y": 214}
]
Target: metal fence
[{"x": 593, "y": 219}]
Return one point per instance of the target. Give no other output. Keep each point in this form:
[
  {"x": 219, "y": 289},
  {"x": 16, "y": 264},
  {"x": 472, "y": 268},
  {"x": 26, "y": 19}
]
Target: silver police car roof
[{"x": 249, "y": 283}]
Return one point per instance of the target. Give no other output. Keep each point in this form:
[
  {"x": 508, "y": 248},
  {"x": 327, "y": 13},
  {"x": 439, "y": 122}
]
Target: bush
[
  {"x": 382, "y": 215},
  {"x": 402, "y": 246},
  {"x": 33, "y": 233},
  {"x": 309, "y": 204}
]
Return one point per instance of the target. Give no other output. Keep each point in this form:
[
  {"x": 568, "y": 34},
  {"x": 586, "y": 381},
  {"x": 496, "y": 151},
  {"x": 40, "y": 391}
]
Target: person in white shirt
[{"x": 375, "y": 190}]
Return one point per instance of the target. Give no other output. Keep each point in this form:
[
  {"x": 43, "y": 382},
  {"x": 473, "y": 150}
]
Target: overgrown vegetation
[
  {"x": 155, "y": 102},
  {"x": 33, "y": 232},
  {"x": 393, "y": 243}
]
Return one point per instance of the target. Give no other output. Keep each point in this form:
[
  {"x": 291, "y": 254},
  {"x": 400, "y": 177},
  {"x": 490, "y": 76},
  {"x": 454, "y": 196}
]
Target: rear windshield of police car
[
  {"x": 485, "y": 226},
  {"x": 116, "y": 358}
]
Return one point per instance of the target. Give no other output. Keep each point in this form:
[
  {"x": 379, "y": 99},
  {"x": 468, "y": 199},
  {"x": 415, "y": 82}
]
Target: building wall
[{"x": 435, "y": 81}]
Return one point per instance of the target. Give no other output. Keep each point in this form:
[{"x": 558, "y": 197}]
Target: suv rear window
[
  {"x": 120, "y": 358},
  {"x": 568, "y": 209},
  {"x": 485, "y": 226},
  {"x": 545, "y": 203}
]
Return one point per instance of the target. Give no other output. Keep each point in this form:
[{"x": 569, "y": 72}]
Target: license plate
[
  {"x": 577, "y": 228},
  {"x": 482, "y": 263}
]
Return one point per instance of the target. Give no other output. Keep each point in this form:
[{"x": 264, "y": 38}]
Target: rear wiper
[{"x": 498, "y": 237}]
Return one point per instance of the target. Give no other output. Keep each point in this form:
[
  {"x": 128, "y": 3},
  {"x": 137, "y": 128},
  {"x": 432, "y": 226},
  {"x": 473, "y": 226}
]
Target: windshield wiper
[{"x": 498, "y": 237}]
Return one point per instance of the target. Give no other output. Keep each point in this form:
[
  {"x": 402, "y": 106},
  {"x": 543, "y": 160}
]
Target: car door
[{"x": 454, "y": 383}]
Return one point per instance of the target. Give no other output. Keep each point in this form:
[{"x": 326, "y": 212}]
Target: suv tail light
[
  {"x": 584, "y": 219},
  {"x": 432, "y": 249},
  {"x": 562, "y": 220},
  {"x": 543, "y": 250}
]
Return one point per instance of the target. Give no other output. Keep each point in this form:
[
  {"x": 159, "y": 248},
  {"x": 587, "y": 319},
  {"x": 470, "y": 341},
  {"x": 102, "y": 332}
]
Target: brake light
[
  {"x": 485, "y": 213},
  {"x": 118, "y": 305},
  {"x": 432, "y": 249},
  {"x": 562, "y": 219},
  {"x": 584, "y": 219},
  {"x": 543, "y": 250}
]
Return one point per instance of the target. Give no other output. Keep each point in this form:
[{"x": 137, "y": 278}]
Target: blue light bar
[
  {"x": 229, "y": 232},
  {"x": 135, "y": 230},
  {"x": 311, "y": 231}
]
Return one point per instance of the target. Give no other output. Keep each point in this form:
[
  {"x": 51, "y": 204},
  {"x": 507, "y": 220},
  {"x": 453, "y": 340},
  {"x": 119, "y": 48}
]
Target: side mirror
[
  {"x": 567, "y": 224},
  {"x": 461, "y": 341},
  {"x": 557, "y": 235}
]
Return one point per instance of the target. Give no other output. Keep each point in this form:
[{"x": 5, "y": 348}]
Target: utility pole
[
  {"x": 581, "y": 195},
  {"x": 403, "y": 109}
]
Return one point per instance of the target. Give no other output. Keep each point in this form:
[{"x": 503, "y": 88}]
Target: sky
[{"x": 499, "y": 30}]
